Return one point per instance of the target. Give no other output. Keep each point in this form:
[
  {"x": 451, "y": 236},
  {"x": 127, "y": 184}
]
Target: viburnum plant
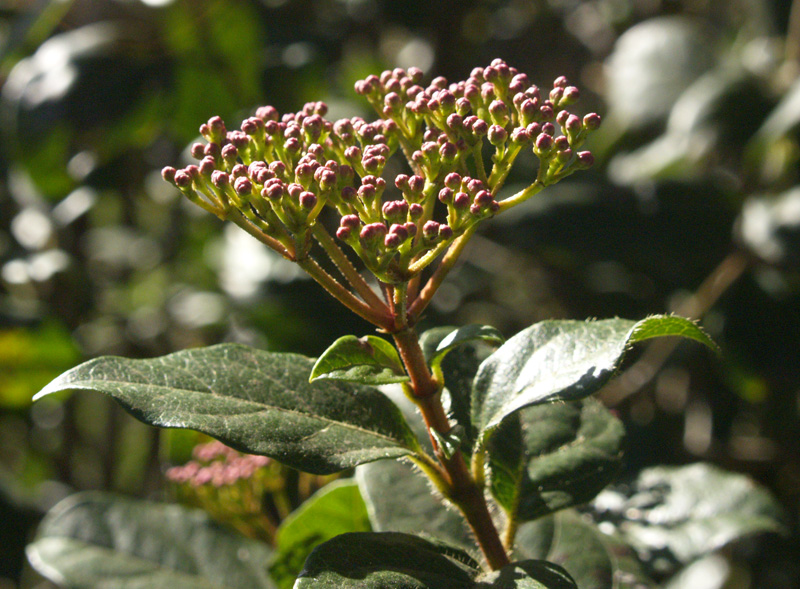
[{"x": 507, "y": 436}]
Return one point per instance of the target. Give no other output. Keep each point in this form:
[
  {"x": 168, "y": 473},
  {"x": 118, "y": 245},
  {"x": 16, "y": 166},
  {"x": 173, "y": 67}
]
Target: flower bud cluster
[
  {"x": 217, "y": 465},
  {"x": 277, "y": 173}
]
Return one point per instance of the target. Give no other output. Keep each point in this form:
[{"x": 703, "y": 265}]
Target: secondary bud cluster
[{"x": 276, "y": 174}]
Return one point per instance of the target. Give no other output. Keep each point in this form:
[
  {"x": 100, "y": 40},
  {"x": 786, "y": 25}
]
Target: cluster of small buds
[
  {"x": 217, "y": 465},
  {"x": 276, "y": 174}
]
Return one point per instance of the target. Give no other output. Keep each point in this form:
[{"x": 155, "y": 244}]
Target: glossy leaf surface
[
  {"x": 364, "y": 360},
  {"x": 100, "y": 540},
  {"x": 383, "y": 560},
  {"x": 687, "y": 512},
  {"x": 561, "y": 360},
  {"x": 254, "y": 401},
  {"x": 399, "y": 498},
  {"x": 593, "y": 559}
]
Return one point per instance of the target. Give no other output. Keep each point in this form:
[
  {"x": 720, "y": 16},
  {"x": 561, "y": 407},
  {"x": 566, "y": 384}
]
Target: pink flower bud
[
  {"x": 207, "y": 165},
  {"x": 452, "y": 180},
  {"x": 350, "y": 221},
  {"x": 585, "y": 159},
  {"x": 168, "y": 174},
  {"x": 446, "y": 195},
  {"x": 544, "y": 143},
  {"x": 267, "y": 113},
  {"x": 430, "y": 230},
  {"x": 198, "y": 150},
  {"x": 308, "y": 200},
  {"x": 182, "y": 179},
  {"x": 416, "y": 184},
  {"x": 242, "y": 185},
  {"x": 591, "y": 121},
  {"x": 497, "y": 135}
]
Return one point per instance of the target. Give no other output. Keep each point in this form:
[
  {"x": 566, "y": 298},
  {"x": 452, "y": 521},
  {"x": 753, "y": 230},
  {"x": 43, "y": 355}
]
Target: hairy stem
[{"x": 461, "y": 488}]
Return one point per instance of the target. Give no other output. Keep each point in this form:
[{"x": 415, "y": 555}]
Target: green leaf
[
  {"x": 458, "y": 369},
  {"x": 688, "y": 511},
  {"x": 573, "y": 451},
  {"x": 365, "y": 360},
  {"x": 593, "y": 559},
  {"x": 529, "y": 574},
  {"x": 506, "y": 464},
  {"x": 335, "y": 509},
  {"x": 255, "y": 401},
  {"x": 386, "y": 560},
  {"x": 561, "y": 360},
  {"x": 462, "y": 335},
  {"x": 399, "y": 498},
  {"x": 98, "y": 540}
]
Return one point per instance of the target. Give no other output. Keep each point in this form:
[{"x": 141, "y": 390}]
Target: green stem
[
  {"x": 436, "y": 279},
  {"x": 347, "y": 269},
  {"x": 240, "y": 220},
  {"x": 344, "y": 296},
  {"x": 520, "y": 196}
]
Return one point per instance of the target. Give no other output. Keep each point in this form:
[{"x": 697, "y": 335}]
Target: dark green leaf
[
  {"x": 99, "y": 540},
  {"x": 255, "y": 401},
  {"x": 593, "y": 559},
  {"x": 528, "y": 574},
  {"x": 335, "y": 509},
  {"x": 387, "y": 560},
  {"x": 458, "y": 370},
  {"x": 365, "y": 360},
  {"x": 506, "y": 464},
  {"x": 400, "y": 498},
  {"x": 573, "y": 450},
  {"x": 451, "y": 442},
  {"x": 462, "y": 335},
  {"x": 561, "y": 360},
  {"x": 688, "y": 511}
]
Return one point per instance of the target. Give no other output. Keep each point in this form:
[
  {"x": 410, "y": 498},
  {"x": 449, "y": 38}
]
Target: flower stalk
[{"x": 282, "y": 177}]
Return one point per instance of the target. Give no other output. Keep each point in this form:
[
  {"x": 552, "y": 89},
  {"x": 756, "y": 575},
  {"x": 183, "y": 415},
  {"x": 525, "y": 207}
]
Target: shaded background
[{"x": 693, "y": 206}]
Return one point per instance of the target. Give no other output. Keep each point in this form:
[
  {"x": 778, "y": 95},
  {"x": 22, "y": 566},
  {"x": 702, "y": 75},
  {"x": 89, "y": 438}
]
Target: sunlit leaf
[{"x": 256, "y": 401}]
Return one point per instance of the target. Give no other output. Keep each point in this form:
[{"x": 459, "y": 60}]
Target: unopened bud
[
  {"x": 308, "y": 200},
  {"x": 591, "y": 121},
  {"x": 497, "y": 135},
  {"x": 452, "y": 180},
  {"x": 585, "y": 159},
  {"x": 242, "y": 185},
  {"x": 168, "y": 174}
]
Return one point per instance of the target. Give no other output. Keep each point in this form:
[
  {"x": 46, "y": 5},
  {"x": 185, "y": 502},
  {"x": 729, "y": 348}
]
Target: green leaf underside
[
  {"x": 335, "y": 509},
  {"x": 386, "y": 560},
  {"x": 399, "y": 498},
  {"x": 99, "y": 540},
  {"x": 255, "y": 401},
  {"x": 561, "y": 360},
  {"x": 689, "y": 511},
  {"x": 366, "y": 360},
  {"x": 593, "y": 559}
]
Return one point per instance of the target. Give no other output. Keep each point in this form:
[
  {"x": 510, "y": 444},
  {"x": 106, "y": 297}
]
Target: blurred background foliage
[{"x": 693, "y": 207}]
